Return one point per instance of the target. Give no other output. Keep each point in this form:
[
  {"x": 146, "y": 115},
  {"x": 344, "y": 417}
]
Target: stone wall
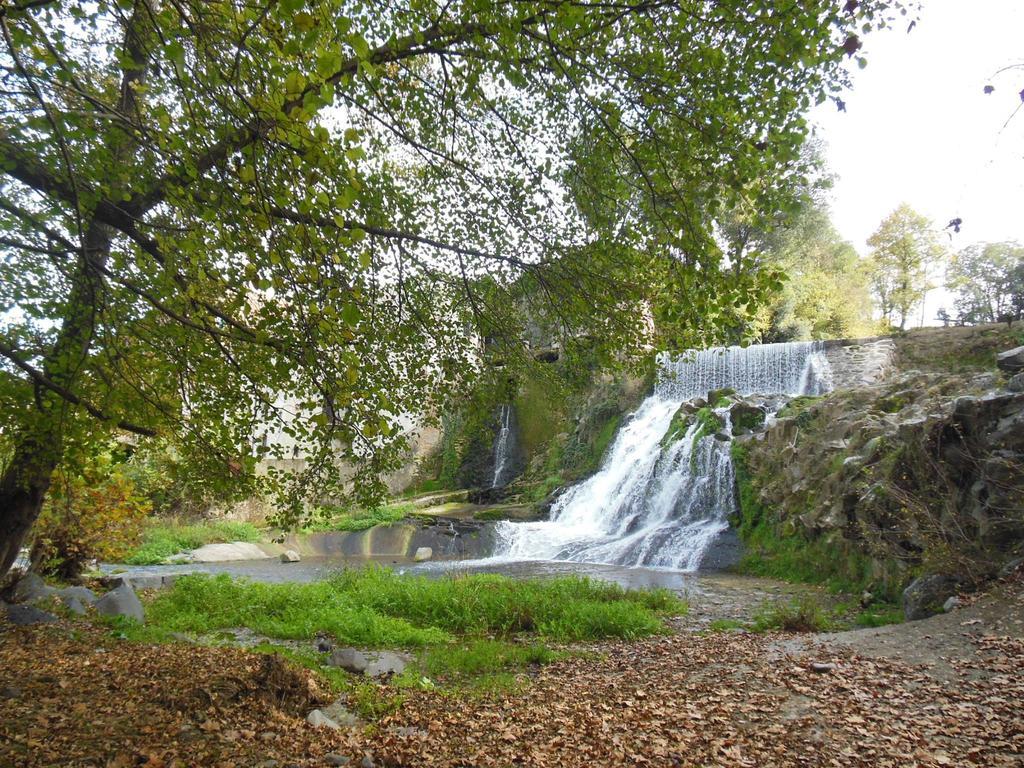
[{"x": 860, "y": 362}]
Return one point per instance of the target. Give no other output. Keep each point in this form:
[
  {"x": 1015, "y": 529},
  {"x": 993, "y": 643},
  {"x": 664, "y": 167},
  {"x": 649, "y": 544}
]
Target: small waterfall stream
[
  {"x": 659, "y": 503},
  {"x": 503, "y": 448}
]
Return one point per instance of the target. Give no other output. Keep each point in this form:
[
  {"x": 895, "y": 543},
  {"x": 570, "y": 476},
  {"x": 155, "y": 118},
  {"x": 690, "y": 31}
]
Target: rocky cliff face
[{"x": 922, "y": 471}]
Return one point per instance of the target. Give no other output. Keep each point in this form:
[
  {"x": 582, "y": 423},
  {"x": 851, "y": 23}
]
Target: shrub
[{"x": 96, "y": 513}]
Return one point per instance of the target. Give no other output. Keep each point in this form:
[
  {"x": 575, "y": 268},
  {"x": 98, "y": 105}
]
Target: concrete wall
[{"x": 860, "y": 362}]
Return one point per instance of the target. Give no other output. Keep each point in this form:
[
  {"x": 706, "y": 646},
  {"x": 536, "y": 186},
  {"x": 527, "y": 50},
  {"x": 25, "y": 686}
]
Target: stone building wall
[{"x": 860, "y": 362}]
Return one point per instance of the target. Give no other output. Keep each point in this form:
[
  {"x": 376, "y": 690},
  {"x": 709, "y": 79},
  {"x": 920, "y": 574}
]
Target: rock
[
  {"x": 1012, "y": 360},
  {"x": 866, "y": 599},
  {"x": 121, "y": 601},
  {"x": 822, "y": 668},
  {"x": 334, "y": 759},
  {"x": 951, "y": 604},
  {"x": 318, "y": 719},
  {"x": 30, "y": 588},
  {"x": 290, "y": 556},
  {"x": 26, "y": 616},
  {"x": 340, "y": 714},
  {"x": 1010, "y": 568},
  {"x": 323, "y": 645},
  {"x": 926, "y": 595},
  {"x": 367, "y": 761},
  {"x": 349, "y": 659},
  {"x": 422, "y": 554},
  {"x": 746, "y": 416},
  {"x": 717, "y": 394},
  {"x": 83, "y": 595},
  {"x": 723, "y": 437},
  {"x": 385, "y": 664},
  {"x": 1016, "y": 383},
  {"x": 74, "y": 605},
  {"x": 268, "y": 763}
]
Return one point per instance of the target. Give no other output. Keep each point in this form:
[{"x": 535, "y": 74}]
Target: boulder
[
  {"x": 1011, "y": 361},
  {"x": 422, "y": 554},
  {"x": 717, "y": 394},
  {"x": 27, "y": 615},
  {"x": 385, "y": 664},
  {"x": 1016, "y": 383},
  {"x": 30, "y": 588},
  {"x": 951, "y": 604},
  {"x": 290, "y": 556},
  {"x": 341, "y": 714},
  {"x": 83, "y": 595},
  {"x": 746, "y": 416},
  {"x": 927, "y": 594},
  {"x": 318, "y": 719},
  {"x": 74, "y": 605},
  {"x": 121, "y": 601},
  {"x": 349, "y": 659}
]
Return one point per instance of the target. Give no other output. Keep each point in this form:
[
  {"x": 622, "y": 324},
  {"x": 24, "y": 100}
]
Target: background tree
[
  {"x": 207, "y": 203},
  {"x": 987, "y": 278},
  {"x": 905, "y": 249}
]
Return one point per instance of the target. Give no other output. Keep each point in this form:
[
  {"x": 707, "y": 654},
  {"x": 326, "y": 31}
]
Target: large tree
[
  {"x": 905, "y": 249},
  {"x": 988, "y": 279},
  {"x": 206, "y": 203}
]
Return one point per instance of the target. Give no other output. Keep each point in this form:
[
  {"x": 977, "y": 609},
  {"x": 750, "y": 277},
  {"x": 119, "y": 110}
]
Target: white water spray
[
  {"x": 659, "y": 503},
  {"x": 502, "y": 449}
]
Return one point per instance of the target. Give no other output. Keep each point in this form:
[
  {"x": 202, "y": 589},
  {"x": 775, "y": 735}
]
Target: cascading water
[
  {"x": 503, "y": 448},
  {"x": 660, "y": 502}
]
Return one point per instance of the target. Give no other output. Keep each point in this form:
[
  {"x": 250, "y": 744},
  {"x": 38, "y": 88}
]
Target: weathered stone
[
  {"x": 385, "y": 663},
  {"x": 26, "y": 615},
  {"x": 1012, "y": 360},
  {"x": 422, "y": 554},
  {"x": 715, "y": 395},
  {"x": 10, "y": 692},
  {"x": 334, "y": 759},
  {"x": 349, "y": 659},
  {"x": 926, "y": 595},
  {"x": 121, "y": 601},
  {"x": 1011, "y": 567},
  {"x": 367, "y": 761},
  {"x": 83, "y": 594},
  {"x": 822, "y": 668},
  {"x": 30, "y": 588},
  {"x": 290, "y": 556},
  {"x": 951, "y": 604},
  {"x": 74, "y": 605},
  {"x": 1016, "y": 383},
  {"x": 318, "y": 719},
  {"x": 746, "y": 416},
  {"x": 341, "y": 714}
]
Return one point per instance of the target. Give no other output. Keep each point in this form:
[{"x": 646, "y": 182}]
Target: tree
[
  {"x": 207, "y": 203},
  {"x": 987, "y": 278},
  {"x": 905, "y": 248}
]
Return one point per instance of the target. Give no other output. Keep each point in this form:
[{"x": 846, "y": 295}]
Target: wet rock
[
  {"x": 27, "y": 615},
  {"x": 422, "y": 554},
  {"x": 30, "y": 588},
  {"x": 1012, "y": 360},
  {"x": 290, "y": 556},
  {"x": 717, "y": 394},
  {"x": 926, "y": 595},
  {"x": 745, "y": 415},
  {"x": 121, "y": 601},
  {"x": 350, "y": 660}
]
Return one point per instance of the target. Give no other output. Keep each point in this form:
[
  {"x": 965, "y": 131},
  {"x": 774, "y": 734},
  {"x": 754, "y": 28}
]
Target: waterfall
[
  {"x": 656, "y": 502},
  {"x": 503, "y": 447}
]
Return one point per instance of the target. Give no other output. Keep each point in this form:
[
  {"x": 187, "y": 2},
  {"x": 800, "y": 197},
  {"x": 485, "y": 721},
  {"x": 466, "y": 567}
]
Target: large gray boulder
[
  {"x": 27, "y": 615},
  {"x": 30, "y": 588},
  {"x": 385, "y": 664},
  {"x": 1016, "y": 383},
  {"x": 926, "y": 595},
  {"x": 83, "y": 595},
  {"x": 350, "y": 660},
  {"x": 121, "y": 601},
  {"x": 1012, "y": 360}
]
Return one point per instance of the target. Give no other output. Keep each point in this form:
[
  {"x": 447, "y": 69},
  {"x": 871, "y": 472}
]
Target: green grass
[
  {"x": 375, "y": 607},
  {"x": 163, "y": 539},
  {"x": 879, "y": 615},
  {"x": 724, "y": 625},
  {"x": 339, "y": 519},
  {"x": 803, "y": 614}
]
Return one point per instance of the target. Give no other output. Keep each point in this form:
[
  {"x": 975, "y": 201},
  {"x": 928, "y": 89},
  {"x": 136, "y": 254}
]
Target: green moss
[
  {"x": 794, "y": 557},
  {"x": 541, "y": 411},
  {"x": 677, "y": 428}
]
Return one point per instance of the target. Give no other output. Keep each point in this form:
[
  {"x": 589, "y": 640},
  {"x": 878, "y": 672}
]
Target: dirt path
[{"x": 945, "y": 691}]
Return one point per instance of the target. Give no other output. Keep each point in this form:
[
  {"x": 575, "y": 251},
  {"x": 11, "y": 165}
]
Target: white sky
[{"x": 919, "y": 128}]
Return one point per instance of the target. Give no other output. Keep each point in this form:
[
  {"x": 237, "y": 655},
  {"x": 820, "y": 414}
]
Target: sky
[{"x": 918, "y": 127}]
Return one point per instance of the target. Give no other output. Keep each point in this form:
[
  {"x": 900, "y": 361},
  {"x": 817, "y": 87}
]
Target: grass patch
[
  {"x": 341, "y": 519},
  {"x": 163, "y": 539},
  {"x": 803, "y": 614},
  {"x": 375, "y": 607},
  {"x": 725, "y": 625},
  {"x": 879, "y": 615}
]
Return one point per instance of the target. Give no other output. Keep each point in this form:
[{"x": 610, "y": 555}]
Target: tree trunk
[{"x": 39, "y": 446}]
